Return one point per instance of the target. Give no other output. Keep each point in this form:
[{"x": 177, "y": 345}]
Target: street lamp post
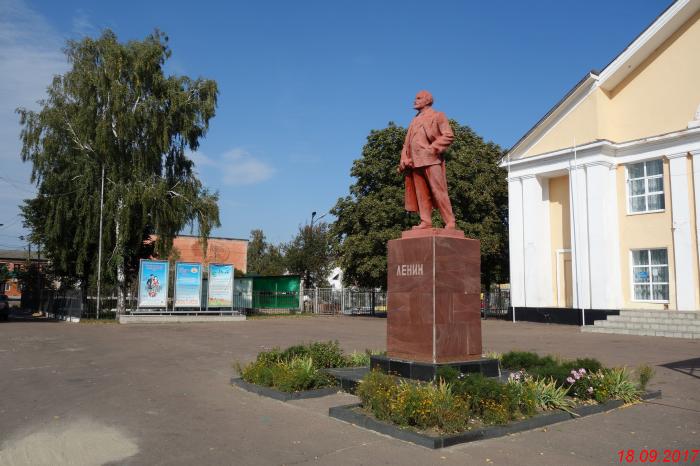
[{"x": 311, "y": 238}]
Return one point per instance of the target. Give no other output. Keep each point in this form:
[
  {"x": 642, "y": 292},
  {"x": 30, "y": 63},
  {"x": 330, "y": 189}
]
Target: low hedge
[
  {"x": 300, "y": 367},
  {"x": 457, "y": 402}
]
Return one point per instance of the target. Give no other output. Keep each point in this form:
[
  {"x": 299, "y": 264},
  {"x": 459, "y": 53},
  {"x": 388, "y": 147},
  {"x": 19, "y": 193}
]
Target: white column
[
  {"x": 515, "y": 241},
  {"x": 682, "y": 243},
  {"x": 537, "y": 242},
  {"x": 696, "y": 189},
  {"x": 579, "y": 237},
  {"x": 603, "y": 270}
]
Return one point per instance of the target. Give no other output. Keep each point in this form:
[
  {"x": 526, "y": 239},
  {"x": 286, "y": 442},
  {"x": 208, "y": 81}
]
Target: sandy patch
[{"x": 79, "y": 443}]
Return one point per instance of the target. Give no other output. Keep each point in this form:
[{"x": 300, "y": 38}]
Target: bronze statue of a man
[{"x": 428, "y": 136}]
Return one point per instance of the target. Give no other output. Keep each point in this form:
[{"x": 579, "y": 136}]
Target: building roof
[
  {"x": 213, "y": 237},
  {"x": 622, "y": 65}
]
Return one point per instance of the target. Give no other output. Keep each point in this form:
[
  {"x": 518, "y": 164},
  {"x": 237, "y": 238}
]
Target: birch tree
[{"x": 116, "y": 110}]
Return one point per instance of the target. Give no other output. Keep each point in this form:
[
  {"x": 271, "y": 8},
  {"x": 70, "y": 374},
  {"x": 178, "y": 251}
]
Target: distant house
[
  {"x": 604, "y": 190},
  {"x": 15, "y": 262}
]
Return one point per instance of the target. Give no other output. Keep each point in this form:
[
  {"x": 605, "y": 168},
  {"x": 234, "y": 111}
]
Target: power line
[{"x": 14, "y": 185}]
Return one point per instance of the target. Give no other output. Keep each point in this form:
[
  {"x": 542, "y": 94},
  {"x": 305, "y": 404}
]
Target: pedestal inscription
[{"x": 434, "y": 298}]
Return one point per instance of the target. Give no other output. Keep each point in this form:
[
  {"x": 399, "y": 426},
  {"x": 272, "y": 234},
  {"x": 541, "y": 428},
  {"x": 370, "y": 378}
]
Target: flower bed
[
  {"x": 300, "y": 367},
  {"x": 460, "y": 403}
]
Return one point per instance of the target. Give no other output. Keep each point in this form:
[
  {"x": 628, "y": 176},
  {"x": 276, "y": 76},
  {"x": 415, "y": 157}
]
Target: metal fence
[
  {"x": 349, "y": 301},
  {"x": 326, "y": 301},
  {"x": 496, "y": 303}
]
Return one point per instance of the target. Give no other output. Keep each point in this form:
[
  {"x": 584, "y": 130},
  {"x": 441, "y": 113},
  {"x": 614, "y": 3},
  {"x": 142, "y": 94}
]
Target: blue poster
[
  {"x": 188, "y": 284},
  {"x": 153, "y": 284},
  {"x": 220, "y": 292}
]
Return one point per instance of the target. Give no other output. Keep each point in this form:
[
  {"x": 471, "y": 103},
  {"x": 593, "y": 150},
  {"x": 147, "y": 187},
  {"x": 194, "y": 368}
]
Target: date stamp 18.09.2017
[{"x": 658, "y": 456}]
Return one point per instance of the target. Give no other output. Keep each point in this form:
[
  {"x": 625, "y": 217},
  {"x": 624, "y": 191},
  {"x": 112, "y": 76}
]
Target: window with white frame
[
  {"x": 650, "y": 274},
  {"x": 645, "y": 181}
]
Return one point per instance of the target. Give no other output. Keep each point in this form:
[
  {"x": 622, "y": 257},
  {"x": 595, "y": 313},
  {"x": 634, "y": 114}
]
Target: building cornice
[{"x": 612, "y": 149}]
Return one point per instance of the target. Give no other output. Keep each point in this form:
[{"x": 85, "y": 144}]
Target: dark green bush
[
  {"x": 327, "y": 354},
  {"x": 296, "y": 351},
  {"x": 447, "y": 373},
  {"x": 546, "y": 366},
  {"x": 493, "y": 401},
  {"x": 517, "y": 360}
]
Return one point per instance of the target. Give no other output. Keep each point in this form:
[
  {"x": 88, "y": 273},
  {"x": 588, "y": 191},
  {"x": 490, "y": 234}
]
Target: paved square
[{"x": 160, "y": 394}]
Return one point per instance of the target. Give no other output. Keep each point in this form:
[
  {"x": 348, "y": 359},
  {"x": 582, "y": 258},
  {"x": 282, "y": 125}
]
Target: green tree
[
  {"x": 116, "y": 112},
  {"x": 310, "y": 254},
  {"x": 5, "y": 273},
  {"x": 263, "y": 258},
  {"x": 373, "y": 212}
]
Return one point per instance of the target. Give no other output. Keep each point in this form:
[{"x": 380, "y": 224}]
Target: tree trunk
[{"x": 121, "y": 276}]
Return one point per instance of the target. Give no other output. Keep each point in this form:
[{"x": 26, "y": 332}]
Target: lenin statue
[{"x": 422, "y": 162}]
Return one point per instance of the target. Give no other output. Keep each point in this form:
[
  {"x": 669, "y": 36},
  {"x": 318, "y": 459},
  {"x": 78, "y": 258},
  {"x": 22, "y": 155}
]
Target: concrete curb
[
  {"x": 283, "y": 396},
  {"x": 348, "y": 414},
  {"x": 176, "y": 319}
]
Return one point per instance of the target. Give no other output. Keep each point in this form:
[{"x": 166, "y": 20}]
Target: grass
[{"x": 91, "y": 321}]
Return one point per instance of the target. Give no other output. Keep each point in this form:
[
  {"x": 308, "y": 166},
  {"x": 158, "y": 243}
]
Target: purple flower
[
  {"x": 577, "y": 376},
  {"x": 582, "y": 371},
  {"x": 590, "y": 389},
  {"x": 570, "y": 380}
]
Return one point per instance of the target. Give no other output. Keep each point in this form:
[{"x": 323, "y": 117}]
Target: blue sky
[{"x": 302, "y": 83}]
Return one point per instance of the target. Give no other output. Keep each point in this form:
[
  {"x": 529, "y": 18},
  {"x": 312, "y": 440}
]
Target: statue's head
[{"x": 423, "y": 99}]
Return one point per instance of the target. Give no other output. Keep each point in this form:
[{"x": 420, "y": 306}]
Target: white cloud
[
  {"x": 82, "y": 25},
  {"x": 236, "y": 167},
  {"x": 30, "y": 55},
  {"x": 242, "y": 169}
]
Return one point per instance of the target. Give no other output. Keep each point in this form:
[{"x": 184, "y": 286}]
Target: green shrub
[
  {"x": 298, "y": 374},
  {"x": 493, "y": 355},
  {"x": 524, "y": 360},
  {"x": 447, "y": 373},
  {"x": 549, "y": 395},
  {"x": 618, "y": 385},
  {"x": 544, "y": 367},
  {"x": 270, "y": 357},
  {"x": 296, "y": 351},
  {"x": 645, "y": 373},
  {"x": 590, "y": 364},
  {"x": 376, "y": 390},
  {"x": 357, "y": 359},
  {"x": 423, "y": 405},
  {"x": 493, "y": 401},
  {"x": 521, "y": 397},
  {"x": 287, "y": 376},
  {"x": 327, "y": 354}
]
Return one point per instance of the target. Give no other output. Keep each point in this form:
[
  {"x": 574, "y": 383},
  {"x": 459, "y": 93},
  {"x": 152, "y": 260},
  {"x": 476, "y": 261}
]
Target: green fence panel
[{"x": 276, "y": 292}]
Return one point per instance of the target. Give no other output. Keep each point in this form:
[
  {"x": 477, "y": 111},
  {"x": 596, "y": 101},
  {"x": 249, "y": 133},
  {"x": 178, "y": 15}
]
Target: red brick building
[
  {"x": 219, "y": 250},
  {"x": 15, "y": 261}
]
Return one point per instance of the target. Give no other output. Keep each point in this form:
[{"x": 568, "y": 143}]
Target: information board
[
  {"x": 188, "y": 284},
  {"x": 220, "y": 290},
  {"x": 153, "y": 284}
]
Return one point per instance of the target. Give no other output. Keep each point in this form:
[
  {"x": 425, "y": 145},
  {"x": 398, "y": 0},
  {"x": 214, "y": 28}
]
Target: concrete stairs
[{"x": 674, "y": 324}]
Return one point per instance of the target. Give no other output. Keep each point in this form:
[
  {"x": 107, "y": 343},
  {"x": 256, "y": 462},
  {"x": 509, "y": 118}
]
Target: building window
[
  {"x": 650, "y": 274},
  {"x": 645, "y": 183}
]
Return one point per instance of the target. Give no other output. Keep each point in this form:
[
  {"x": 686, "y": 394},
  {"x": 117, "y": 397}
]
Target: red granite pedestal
[{"x": 433, "y": 299}]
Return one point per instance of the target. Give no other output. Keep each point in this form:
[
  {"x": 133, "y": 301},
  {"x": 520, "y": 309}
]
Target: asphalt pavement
[{"x": 160, "y": 394}]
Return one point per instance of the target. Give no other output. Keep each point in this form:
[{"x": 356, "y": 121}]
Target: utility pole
[{"x": 99, "y": 248}]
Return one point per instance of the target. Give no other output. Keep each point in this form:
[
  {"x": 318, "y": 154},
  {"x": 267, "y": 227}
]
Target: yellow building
[{"x": 603, "y": 189}]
